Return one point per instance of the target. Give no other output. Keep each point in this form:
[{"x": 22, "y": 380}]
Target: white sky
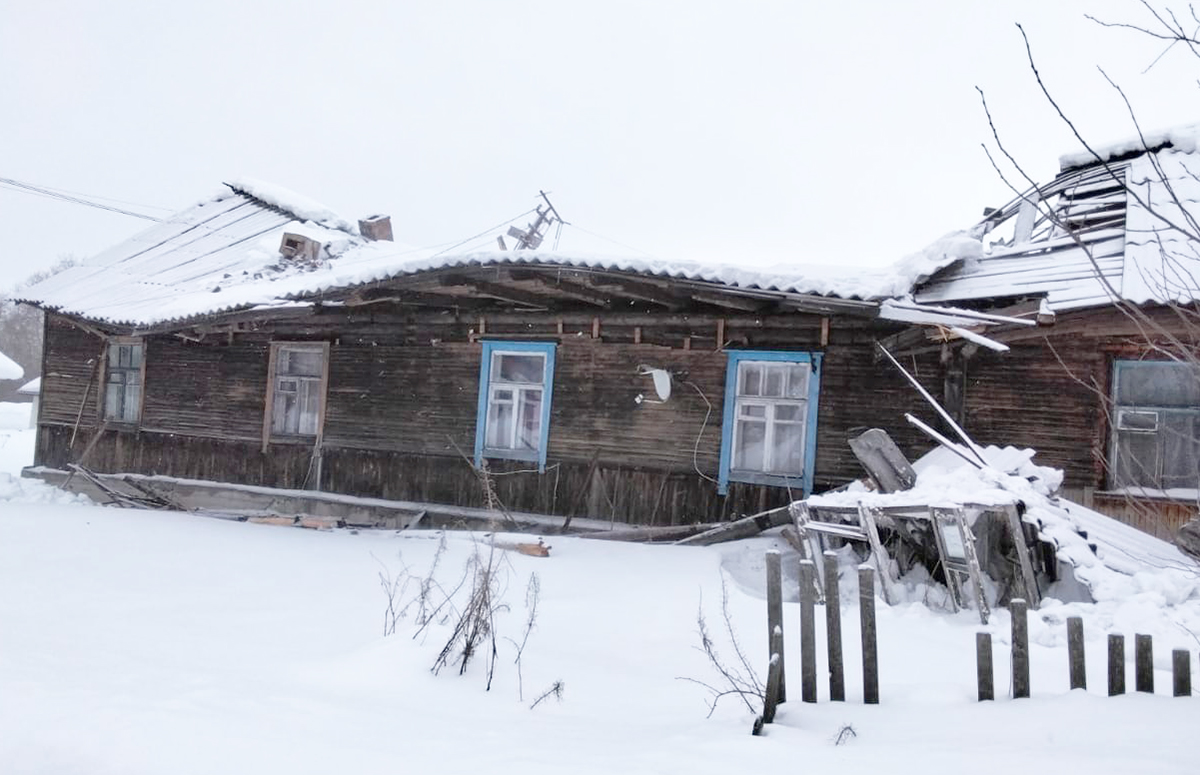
[{"x": 733, "y": 131}]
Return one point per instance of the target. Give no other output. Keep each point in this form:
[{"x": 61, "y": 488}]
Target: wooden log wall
[{"x": 402, "y": 400}]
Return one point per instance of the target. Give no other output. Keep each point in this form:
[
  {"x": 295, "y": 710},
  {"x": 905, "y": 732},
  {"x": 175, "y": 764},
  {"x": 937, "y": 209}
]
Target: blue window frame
[
  {"x": 769, "y": 434},
  {"x": 515, "y": 385}
]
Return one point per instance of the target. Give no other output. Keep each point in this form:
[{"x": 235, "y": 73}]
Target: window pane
[
  {"x": 1137, "y": 460},
  {"x": 1129, "y": 420},
  {"x": 529, "y": 431},
  {"x": 1158, "y": 384},
  {"x": 300, "y": 362},
  {"x": 309, "y": 408},
  {"x": 749, "y": 445},
  {"x": 135, "y": 356},
  {"x": 285, "y": 419},
  {"x": 751, "y": 379},
  {"x": 500, "y": 425},
  {"x": 789, "y": 412},
  {"x": 509, "y": 367},
  {"x": 133, "y": 400},
  {"x": 798, "y": 380},
  {"x": 775, "y": 376},
  {"x": 787, "y": 453},
  {"x": 112, "y": 399},
  {"x": 754, "y": 411},
  {"x": 1180, "y": 449}
]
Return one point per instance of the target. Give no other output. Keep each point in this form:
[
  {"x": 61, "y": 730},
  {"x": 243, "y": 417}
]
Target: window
[
  {"x": 295, "y": 405},
  {"x": 770, "y": 415},
  {"x": 1156, "y": 425},
  {"x": 513, "y": 420},
  {"x": 123, "y": 386}
]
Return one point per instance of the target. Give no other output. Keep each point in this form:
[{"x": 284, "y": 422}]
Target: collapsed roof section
[{"x": 1118, "y": 223}]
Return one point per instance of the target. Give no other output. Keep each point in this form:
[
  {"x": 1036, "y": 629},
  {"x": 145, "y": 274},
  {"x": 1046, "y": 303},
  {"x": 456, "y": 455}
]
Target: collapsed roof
[{"x": 1118, "y": 223}]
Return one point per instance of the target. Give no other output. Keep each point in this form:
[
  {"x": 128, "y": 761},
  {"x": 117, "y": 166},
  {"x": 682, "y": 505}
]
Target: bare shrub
[{"x": 737, "y": 678}]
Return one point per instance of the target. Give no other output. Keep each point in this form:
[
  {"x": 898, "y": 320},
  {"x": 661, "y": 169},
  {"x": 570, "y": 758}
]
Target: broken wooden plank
[
  {"x": 883, "y": 460},
  {"x": 652, "y": 534},
  {"x": 742, "y": 528}
]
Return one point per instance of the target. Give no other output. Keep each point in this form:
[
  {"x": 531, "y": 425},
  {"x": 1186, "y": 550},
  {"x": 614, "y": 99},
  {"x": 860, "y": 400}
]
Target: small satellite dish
[{"x": 662, "y": 381}]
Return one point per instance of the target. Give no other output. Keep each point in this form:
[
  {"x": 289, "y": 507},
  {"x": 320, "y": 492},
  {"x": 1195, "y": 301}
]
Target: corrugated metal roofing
[{"x": 223, "y": 255}]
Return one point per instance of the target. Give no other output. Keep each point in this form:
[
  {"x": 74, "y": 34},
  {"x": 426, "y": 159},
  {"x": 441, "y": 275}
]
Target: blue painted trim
[
  {"x": 485, "y": 366},
  {"x": 725, "y": 475}
]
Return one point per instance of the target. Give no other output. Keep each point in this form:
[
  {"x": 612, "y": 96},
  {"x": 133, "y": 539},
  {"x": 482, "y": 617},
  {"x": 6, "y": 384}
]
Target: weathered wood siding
[{"x": 402, "y": 402}]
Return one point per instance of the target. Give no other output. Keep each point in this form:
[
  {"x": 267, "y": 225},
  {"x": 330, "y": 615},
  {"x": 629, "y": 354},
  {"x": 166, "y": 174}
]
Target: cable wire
[{"x": 40, "y": 191}]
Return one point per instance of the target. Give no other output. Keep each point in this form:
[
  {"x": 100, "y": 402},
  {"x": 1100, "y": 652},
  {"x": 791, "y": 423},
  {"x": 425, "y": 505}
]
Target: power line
[
  {"x": 483, "y": 233},
  {"x": 79, "y": 200}
]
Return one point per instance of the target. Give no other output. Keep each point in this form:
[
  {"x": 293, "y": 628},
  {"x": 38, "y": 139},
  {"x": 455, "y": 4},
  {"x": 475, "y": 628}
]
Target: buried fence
[
  {"x": 1019, "y": 653},
  {"x": 775, "y": 690},
  {"x": 1143, "y": 660}
]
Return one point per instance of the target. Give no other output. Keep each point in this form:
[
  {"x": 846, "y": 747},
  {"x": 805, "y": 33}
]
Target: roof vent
[
  {"x": 376, "y": 228},
  {"x": 299, "y": 247}
]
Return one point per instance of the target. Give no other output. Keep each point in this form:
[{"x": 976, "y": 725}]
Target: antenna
[{"x": 531, "y": 237}]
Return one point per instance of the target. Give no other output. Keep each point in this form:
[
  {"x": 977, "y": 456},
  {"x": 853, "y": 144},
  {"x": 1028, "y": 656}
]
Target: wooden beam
[
  {"x": 729, "y": 301},
  {"x": 562, "y": 287},
  {"x": 498, "y": 291},
  {"x": 642, "y": 291}
]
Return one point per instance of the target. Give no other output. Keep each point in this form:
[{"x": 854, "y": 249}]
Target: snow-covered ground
[{"x": 157, "y": 642}]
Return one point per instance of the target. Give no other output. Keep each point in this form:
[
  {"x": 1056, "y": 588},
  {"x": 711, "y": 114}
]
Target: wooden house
[{"x": 257, "y": 338}]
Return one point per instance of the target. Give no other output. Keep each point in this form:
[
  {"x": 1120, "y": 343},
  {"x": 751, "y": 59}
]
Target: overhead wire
[
  {"x": 80, "y": 200},
  {"x": 483, "y": 233}
]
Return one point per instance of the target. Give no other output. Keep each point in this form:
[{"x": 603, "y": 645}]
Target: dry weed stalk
[{"x": 738, "y": 679}]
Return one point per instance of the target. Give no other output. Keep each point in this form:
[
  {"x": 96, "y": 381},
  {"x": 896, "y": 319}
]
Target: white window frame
[{"x": 277, "y": 379}]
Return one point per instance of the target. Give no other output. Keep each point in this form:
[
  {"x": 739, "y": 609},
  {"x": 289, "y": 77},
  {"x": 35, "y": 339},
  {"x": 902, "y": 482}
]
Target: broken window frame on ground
[
  {"x": 125, "y": 374},
  {"x": 296, "y": 394},
  {"x": 508, "y": 442},
  {"x": 1142, "y": 442},
  {"x": 739, "y": 398}
]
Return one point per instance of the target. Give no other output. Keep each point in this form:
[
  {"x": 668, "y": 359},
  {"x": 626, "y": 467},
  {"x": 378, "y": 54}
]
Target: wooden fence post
[
  {"x": 1181, "y": 671},
  {"x": 833, "y": 629},
  {"x": 983, "y": 666},
  {"x": 808, "y": 632},
  {"x": 1020, "y": 647},
  {"x": 775, "y": 616},
  {"x": 1075, "y": 652},
  {"x": 1116, "y": 665},
  {"x": 870, "y": 654},
  {"x": 1143, "y": 663}
]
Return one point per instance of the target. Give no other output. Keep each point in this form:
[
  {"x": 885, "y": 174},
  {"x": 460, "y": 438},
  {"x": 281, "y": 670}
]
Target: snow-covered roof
[
  {"x": 223, "y": 254},
  {"x": 1120, "y": 222},
  {"x": 10, "y": 369},
  {"x": 31, "y": 388}
]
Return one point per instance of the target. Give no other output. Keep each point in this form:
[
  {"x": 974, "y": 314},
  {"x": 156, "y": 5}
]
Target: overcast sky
[{"x": 738, "y": 132}]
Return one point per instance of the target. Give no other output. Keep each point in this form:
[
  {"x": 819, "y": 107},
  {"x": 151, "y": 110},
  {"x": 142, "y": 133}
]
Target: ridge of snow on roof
[
  {"x": 222, "y": 255},
  {"x": 1136, "y": 210}
]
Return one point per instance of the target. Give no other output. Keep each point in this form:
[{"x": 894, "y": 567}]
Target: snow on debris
[{"x": 1125, "y": 561}]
